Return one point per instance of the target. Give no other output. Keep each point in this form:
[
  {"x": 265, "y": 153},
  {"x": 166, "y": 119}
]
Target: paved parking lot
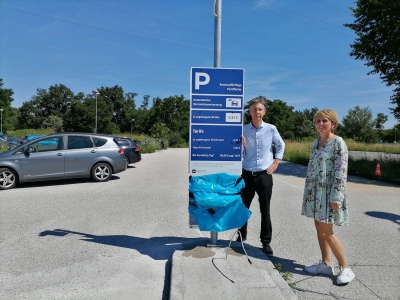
[{"x": 78, "y": 239}]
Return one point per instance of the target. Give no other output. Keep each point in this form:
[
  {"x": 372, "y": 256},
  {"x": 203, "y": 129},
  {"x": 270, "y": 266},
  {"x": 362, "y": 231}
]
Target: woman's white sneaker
[
  {"x": 345, "y": 275},
  {"x": 320, "y": 268}
]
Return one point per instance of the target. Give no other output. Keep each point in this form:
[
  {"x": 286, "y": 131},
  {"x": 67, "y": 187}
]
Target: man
[{"x": 258, "y": 165}]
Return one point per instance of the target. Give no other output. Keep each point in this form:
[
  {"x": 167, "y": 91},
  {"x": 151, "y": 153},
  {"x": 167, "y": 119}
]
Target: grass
[
  {"x": 390, "y": 168},
  {"x": 286, "y": 275},
  {"x": 386, "y": 148}
]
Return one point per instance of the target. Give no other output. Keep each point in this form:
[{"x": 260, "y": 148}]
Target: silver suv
[{"x": 61, "y": 156}]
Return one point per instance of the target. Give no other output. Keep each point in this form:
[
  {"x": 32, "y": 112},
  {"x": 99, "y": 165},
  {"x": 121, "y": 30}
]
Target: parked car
[
  {"x": 131, "y": 149},
  {"x": 28, "y": 138},
  {"x": 13, "y": 141},
  {"x": 61, "y": 156},
  {"x": 2, "y": 141}
]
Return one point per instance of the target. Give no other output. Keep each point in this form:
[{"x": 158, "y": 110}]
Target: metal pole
[
  {"x": 217, "y": 32},
  {"x": 95, "y": 126},
  {"x": 95, "y": 92},
  {"x": 217, "y": 63},
  {"x": 1, "y": 128}
]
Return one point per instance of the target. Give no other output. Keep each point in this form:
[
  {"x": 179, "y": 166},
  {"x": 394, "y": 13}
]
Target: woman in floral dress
[{"x": 325, "y": 195}]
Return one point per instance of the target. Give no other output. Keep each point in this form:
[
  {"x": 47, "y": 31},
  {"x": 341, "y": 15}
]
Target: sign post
[{"x": 216, "y": 122}]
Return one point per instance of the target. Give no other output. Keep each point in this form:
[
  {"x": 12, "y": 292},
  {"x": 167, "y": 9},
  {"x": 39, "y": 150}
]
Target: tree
[
  {"x": 303, "y": 123},
  {"x": 8, "y": 114},
  {"x": 379, "y": 121},
  {"x": 159, "y": 130},
  {"x": 53, "y": 122},
  {"x": 56, "y": 101},
  {"x": 359, "y": 125},
  {"x": 377, "y": 26},
  {"x": 279, "y": 114},
  {"x": 174, "y": 113},
  {"x": 30, "y": 116}
]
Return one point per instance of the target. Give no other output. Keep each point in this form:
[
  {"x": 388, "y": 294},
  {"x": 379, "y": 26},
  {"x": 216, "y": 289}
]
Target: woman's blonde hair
[{"x": 329, "y": 114}]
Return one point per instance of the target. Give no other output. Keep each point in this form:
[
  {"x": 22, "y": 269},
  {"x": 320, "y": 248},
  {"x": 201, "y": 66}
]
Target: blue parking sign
[{"x": 216, "y": 120}]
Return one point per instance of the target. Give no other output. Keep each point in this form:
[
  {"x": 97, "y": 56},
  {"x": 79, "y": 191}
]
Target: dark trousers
[{"x": 262, "y": 185}]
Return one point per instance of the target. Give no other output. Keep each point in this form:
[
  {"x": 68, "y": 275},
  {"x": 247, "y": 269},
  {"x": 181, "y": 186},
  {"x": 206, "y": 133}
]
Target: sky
[{"x": 293, "y": 50}]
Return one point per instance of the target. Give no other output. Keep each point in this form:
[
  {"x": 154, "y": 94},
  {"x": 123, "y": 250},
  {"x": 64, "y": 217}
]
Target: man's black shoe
[
  {"x": 241, "y": 240},
  {"x": 267, "y": 250}
]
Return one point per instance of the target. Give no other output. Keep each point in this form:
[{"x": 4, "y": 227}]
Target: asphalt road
[{"x": 78, "y": 239}]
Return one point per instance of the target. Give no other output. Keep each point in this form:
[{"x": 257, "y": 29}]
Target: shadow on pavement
[
  {"x": 384, "y": 215},
  {"x": 158, "y": 248},
  {"x": 59, "y": 182},
  {"x": 288, "y": 265}
]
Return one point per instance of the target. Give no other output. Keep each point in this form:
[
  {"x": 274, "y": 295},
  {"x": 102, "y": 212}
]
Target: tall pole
[
  {"x": 96, "y": 92},
  {"x": 1, "y": 128},
  {"x": 217, "y": 63},
  {"x": 133, "y": 120},
  {"x": 217, "y": 32}
]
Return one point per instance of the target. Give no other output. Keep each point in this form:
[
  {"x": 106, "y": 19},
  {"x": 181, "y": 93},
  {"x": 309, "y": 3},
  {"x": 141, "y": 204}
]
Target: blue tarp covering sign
[{"x": 216, "y": 203}]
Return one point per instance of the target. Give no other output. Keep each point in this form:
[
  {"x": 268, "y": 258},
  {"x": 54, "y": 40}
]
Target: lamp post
[
  {"x": 133, "y": 120},
  {"x": 96, "y": 92},
  {"x": 1, "y": 127}
]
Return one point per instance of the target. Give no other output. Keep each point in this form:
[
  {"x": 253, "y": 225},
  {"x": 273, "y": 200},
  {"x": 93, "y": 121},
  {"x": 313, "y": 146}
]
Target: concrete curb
[{"x": 199, "y": 271}]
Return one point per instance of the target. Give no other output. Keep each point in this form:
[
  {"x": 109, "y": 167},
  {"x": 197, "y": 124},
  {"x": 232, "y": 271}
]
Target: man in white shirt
[{"x": 258, "y": 165}]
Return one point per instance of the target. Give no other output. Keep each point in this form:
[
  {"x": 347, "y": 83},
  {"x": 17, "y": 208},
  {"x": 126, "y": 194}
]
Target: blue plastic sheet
[{"x": 215, "y": 202}]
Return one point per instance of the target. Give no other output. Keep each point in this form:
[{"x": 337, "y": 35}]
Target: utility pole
[{"x": 217, "y": 62}]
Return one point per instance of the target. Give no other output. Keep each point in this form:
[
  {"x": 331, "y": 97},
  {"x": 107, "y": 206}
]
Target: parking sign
[{"x": 216, "y": 120}]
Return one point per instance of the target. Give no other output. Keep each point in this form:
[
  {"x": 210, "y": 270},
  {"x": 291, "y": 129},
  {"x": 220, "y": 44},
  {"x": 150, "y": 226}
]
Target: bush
[
  {"x": 390, "y": 169},
  {"x": 148, "y": 146}
]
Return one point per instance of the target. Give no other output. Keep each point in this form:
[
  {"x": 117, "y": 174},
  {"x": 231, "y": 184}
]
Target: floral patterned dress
[{"x": 326, "y": 182}]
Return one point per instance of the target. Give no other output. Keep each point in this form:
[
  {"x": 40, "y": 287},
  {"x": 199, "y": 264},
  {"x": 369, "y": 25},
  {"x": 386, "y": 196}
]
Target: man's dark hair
[{"x": 258, "y": 100}]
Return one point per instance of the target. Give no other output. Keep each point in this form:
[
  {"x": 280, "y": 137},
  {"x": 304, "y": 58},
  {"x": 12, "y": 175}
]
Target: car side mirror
[{"x": 28, "y": 150}]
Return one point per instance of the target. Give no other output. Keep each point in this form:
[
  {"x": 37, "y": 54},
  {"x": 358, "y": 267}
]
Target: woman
[{"x": 325, "y": 195}]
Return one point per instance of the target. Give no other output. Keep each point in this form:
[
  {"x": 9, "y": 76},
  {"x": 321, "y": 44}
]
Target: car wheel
[
  {"x": 127, "y": 160},
  {"x": 101, "y": 172},
  {"x": 8, "y": 179}
]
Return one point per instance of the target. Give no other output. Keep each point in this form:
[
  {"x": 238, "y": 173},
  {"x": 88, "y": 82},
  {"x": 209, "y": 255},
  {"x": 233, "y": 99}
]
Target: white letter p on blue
[{"x": 198, "y": 81}]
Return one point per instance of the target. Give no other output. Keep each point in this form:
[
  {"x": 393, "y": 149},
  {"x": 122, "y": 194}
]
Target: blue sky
[{"x": 292, "y": 50}]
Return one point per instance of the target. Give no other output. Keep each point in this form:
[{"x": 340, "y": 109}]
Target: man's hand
[{"x": 272, "y": 168}]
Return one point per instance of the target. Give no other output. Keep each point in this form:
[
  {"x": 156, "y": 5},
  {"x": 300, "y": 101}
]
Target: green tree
[
  {"x": 129, "y": 112},
  {"x": 30, "y": 116},
  {"x": 53, "y": 122},
  {"x": 174, "y": 113},
  {"x": 379, "y": 121},
  {"x": 81, "y": 116},
  {"x": 279, "y": 114},
  {"x": 303, "y": 123},
  {"x": 114, "y": 108},
  {"x": 8, "y": 114},
  {"x": 159, "y": 130},
  {"x": 359, "y": 125},
  {"x": 377, "y": 26},
  {"x": 56, "y": 101}
]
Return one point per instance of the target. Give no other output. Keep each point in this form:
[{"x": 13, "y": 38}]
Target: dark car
[
  {"x": 131, "y": 149},
  {"x": 28, "y": 138},
  {"x": 61, "y": 156},
  {"x": 13, "y": 141}
]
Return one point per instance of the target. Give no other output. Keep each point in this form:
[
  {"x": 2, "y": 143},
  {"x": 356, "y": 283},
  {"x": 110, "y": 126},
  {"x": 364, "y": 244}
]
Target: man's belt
[{"x": 258, "y": 173}]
